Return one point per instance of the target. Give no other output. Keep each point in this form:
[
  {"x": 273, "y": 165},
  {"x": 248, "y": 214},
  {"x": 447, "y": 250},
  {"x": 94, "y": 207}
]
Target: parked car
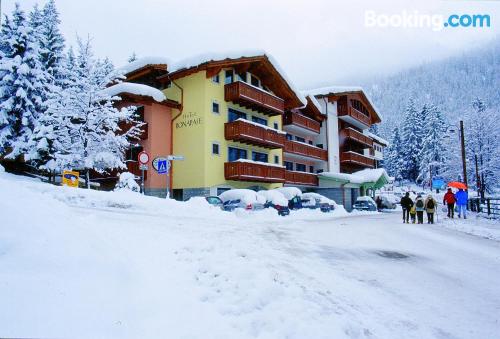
[
  {"x": 276, "y": 200},
  {"x": 323, "y": 203},
  {"x": 216, "y": 201},
  {"x": 293, "y": 195},
  {"x": 388, "y": 201},
  {"x": 243, "y": 198},
  {"x": 365, "y": 204}
]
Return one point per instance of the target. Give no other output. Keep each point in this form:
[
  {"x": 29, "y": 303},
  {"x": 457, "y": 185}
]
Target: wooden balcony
[
  {"x": 301, "y": 178},
  {"x": 356, "y": 159},
  {"x": 249, "y": 171},
  {"x": 305, "y": 150},
  {"x": 292, "y": 118},
  {"x": 345, "y": 110},
  {"x": 253, "y": 134},
  {"x": 254, "y": 98},
  {"x": 360, "y": 138}
]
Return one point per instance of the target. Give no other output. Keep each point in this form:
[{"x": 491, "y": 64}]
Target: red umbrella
[{"x": 457, "y": 184}]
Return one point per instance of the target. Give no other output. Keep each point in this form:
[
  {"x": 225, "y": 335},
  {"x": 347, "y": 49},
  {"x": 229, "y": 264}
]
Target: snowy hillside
[
  {"x": 451, "y": 84},
  {"x": 78, "y": 263}
]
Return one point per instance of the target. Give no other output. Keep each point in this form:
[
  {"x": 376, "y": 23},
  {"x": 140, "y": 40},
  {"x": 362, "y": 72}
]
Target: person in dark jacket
[
  {"x": 462, "y": 197},
  {"x": 406, "y": 205},
  {"x": 449, "y": 200},
  {"x": 420, "y": 207}
]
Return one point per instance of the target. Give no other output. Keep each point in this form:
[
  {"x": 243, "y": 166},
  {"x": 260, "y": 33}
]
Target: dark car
[
  {"x": 363, "y": 204},
  {"x": 295, "y": 203},
  {"x": 216, "y": 201},
  {"x": 282, "y": 210}
]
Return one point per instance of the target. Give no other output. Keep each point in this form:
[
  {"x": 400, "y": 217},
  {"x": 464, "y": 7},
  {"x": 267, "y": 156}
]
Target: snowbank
[
  {"x": 2, "y": 170},
  {"x": 136, "y": 89},
  {"x": 126, "y": 181}
]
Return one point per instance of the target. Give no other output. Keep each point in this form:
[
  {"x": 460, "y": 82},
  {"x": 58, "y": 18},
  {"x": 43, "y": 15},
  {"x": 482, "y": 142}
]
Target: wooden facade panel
[
  {"x": 292, "y": 118},
  {"x": 305, "y": 150},
  {"x": 357, "y": 159},
  {"x": 253, "y": 134},
  {"x": 247, "y": 171},
  {"x": 301, "y": 178},
  {"x": 344, "y": 108},
  {"x": 352, "y": 135},
  {"x": 254, "y": 98}
]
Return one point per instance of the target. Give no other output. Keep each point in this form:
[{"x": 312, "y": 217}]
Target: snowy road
[{"x": 70, "y": 267}]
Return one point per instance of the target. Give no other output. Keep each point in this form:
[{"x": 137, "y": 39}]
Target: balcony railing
[
  {"x": 305, "y": 150},
  {"x": 301, "y": 178},
  {"x": 359, "y": 137},
  {"x": 346, "y": 110},
  {"x": 254, "y": 98},
  {"x": 250, "y": 171},
  {"x": 353, "y": 158},
  {"x": 292, "y": 118},
  {"x": 253, "y": 134}
]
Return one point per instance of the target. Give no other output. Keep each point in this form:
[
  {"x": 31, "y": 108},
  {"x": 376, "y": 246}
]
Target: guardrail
[{"x": 489, "y": 206}]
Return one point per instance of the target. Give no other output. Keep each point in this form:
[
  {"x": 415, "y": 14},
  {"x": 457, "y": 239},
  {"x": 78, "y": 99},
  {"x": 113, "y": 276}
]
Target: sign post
[
  {"x": 162, "y": 165},
  {"x": 70, "y": 178},
  {"x": 143, "y": 158}
]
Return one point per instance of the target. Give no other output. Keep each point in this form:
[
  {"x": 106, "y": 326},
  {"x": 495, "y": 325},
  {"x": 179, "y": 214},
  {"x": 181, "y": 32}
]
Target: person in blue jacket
[{"x": 461, "y": 196}]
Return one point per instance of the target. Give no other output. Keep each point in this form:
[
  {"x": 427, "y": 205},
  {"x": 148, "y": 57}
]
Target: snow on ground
[{"x": 77, "y": 263}]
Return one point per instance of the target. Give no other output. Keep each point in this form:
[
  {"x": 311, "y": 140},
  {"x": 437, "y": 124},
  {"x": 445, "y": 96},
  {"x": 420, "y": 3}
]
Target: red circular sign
[{"x": 143, "y": 158}]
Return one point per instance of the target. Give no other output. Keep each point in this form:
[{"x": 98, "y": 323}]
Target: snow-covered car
[
  {"x": 323, "y": 203},
  {"x": 217, "y": 202},
  {"x": 276, "y": 200},
  {"x": 243, "y": 198},
  {"x": 365, "y": 204},
  {"x": 388, "y": 201},
  {"x": 293, "y": 195}
]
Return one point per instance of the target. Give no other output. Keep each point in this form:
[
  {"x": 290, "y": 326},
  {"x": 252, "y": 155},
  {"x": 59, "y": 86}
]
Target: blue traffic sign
[{"x": 163, "y": 166}]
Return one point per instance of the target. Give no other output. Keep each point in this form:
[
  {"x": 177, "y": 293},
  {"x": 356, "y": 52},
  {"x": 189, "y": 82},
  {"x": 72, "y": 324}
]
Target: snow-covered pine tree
[
  {"x": 90, "y": 137},
  {"x": 394, "y": 161},
  {"x": 22, "y": 84},
  {"x": 132, "y": 57},
  {"x": 52, "y": 42},
  {"x": 481, "y": 135},
  {"x": 410, "y": 138},
  {"x": 433, "y": 154}
]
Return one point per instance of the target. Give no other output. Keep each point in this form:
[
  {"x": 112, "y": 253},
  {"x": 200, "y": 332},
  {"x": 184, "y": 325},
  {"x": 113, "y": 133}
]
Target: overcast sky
[{"x": 317, "y": 42}]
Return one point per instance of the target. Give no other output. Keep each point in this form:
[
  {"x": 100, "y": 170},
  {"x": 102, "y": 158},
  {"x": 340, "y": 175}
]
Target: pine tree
[
  {"x": 52, "y": 42},
  {"x": 88, "y": 135},
  {"x": 433, "y": 154},
  {"x": 132, "y": 57},
  {"x": 394, "y": 156},
  {"x": 410, "y": 141},
  {"x": 22, "y": 83}
]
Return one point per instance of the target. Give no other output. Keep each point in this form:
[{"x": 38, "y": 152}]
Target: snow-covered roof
[
  {"x": 209, "y": 57},
  {"x": 359, "y": 178},
  {"x": 136, "y": 89},
  {"x": 377, "y": 138},
  {"x": 143, "y": 62},
  {"x": 315, "y": 102}
]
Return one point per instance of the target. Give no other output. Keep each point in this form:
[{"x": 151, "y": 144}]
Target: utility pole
[
  {"x": 478, "y": 178},
  {"x": 462, "y": 142}
]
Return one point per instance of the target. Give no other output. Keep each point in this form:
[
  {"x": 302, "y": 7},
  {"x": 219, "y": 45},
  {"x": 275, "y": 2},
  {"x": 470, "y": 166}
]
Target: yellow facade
[{"x": 198, "y": 127}]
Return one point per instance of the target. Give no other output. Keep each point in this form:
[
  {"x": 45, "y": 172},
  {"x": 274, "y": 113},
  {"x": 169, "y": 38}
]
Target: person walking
[
  {"x": 406, "y": 205},
  {"x": 449, "y": 200},
  {"x": 462, "y": 198},
  {"x": 420, "y": 207},
  {"x": 413, "y": 214},
  {"x": 430, "y": 208}
]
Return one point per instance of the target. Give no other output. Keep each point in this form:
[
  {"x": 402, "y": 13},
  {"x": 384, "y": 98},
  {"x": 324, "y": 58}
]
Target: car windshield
[{"x": 213, "y": 200}]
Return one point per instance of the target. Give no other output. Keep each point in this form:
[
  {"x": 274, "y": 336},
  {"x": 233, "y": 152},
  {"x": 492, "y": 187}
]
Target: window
[
  {"x": 289, "y": 137},
  {"x": 236, "y": 153},
  {"x": 289, "y": 165},
  {"x": 229, "y": 76},
  {"x": 254, "y": 81},
  {"x": 242, "y": 77},
  {"x": 257, "y": 156},
  {"x": 215, "y": 107},
  {"x": 215, "y": 148},
  {"x": 259, "y": 120},
  {"x": 311, "y": 169},
  {"x": 300, "y": 167},
  {"x": 235, "y": 115},
  {"x": 310, "y": 142},
  {"x": 216, "y": 79},
  {"x": 276, "y": 126},
  {"x": 300, "y": 139},
  {"x": 133, "y": 152},
  {"x": 277, "y": 159}
]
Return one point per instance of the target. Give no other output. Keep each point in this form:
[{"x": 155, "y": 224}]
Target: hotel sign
[{"x": 189, "y": 119}]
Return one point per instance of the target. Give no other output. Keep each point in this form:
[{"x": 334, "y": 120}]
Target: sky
[{"x": 316, "y": 42}]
